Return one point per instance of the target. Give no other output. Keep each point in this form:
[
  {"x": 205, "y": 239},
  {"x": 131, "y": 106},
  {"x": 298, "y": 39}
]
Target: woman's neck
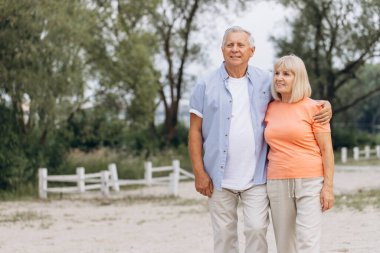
[{"x": 285, "y": 98}]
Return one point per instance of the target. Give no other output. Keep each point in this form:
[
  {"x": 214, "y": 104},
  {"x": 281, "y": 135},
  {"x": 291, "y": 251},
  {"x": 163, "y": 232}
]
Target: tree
[
  {"x": 335, "y": 38},
  {"x": 175, "y": 23},
  {"x": 123, "y": 59},
  {"x": 42, "y": 73},
  {"x": 366, "y": 115}
]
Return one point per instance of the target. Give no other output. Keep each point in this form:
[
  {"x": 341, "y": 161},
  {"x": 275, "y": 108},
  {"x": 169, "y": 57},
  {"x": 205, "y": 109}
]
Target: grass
[
  {"x": 22, "y": 216},
  {"x": 25, "y": 192},
  {"x": 27, "y": 219},
  {"x": 128, "y": 166},
  {"x": 359, "y": 200}
]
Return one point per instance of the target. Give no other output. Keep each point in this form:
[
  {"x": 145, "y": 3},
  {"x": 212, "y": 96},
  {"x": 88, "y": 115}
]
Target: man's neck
[{"x": 236, "y": 71}]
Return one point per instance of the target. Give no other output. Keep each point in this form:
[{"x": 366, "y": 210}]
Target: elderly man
[{"x": 227, "y": 110}]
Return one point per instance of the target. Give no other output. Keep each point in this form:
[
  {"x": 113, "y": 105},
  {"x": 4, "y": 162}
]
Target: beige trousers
[
  {"x": 223, "y": 210},
  {"x": 296, "y": 214}
]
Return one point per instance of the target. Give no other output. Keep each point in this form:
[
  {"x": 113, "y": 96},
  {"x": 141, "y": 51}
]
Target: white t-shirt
[{"x": 241, "y": 161}]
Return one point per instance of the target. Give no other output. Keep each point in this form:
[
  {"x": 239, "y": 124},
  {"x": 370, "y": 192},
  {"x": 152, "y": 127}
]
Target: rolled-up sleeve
[{"x": 197, "y": 99}]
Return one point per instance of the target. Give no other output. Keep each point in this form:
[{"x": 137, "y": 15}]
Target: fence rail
[
  {"x": 109, "y": 179},
  {"x": 172, "y": 180},
  {"x": 364, "y": 154},
  {"x": 84, "y": 182}
]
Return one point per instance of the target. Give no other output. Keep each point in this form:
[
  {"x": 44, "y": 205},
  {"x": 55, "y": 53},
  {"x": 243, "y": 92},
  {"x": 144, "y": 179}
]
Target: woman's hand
[{"x": 327, "y": 197}]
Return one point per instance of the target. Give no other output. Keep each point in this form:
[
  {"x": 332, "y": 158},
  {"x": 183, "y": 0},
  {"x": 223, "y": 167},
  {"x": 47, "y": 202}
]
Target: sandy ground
[{"x": 144, "y": 220}]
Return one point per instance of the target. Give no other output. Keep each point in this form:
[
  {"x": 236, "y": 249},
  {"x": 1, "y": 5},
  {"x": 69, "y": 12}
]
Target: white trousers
[
  {"x": 296, "y": 214},
  {"x": 223, "y": 210}
]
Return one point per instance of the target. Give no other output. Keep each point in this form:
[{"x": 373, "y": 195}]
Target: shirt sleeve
[
  {"x": 319, "y": 128},
  {"x": 270, "y": 81},
  {"x": 197, "y": 100}
]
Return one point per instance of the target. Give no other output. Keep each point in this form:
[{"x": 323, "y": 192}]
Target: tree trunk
[{"x": 171, "y": 120}]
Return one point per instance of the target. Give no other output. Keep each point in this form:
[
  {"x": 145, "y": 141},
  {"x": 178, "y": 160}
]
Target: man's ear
[{"x": 253, "y": 51}]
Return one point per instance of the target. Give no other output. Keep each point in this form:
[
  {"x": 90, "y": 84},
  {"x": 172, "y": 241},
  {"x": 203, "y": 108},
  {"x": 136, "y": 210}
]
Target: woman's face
[{"x": 283, "y": 81}]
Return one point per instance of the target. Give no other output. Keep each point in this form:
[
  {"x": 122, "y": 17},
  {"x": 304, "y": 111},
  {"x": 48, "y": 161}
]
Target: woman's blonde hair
[{"x": 301, "y": 87}]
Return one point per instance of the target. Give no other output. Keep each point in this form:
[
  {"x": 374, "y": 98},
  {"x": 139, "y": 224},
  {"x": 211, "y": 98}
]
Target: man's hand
[
  {"x": 326, "y": 198},
  {"x": 325, "y": 114},
  {"x": 203, "y": 184}
]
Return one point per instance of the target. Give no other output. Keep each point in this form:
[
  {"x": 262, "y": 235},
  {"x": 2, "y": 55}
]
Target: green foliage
[
  {"x": 42, "y": 73},
  {"x": 143, "y": 141},
  {"x": 129, "y": 166},
  {"x": 124, "y": 59},
  {"x": 335, "y": 39},
  {"x": 366, "y": 114},
  {"x": 93, "y": 128},
  {"x": 21, "y": 156},
  {"x": 11, "y": 162},
  {"x": 353, "y": 137},
  {"x": 151, "y": 141}
]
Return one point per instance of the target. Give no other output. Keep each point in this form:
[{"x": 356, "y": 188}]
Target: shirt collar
[
  {"x": 225, "y": 75},
  {"x": 224, "y": 72}
]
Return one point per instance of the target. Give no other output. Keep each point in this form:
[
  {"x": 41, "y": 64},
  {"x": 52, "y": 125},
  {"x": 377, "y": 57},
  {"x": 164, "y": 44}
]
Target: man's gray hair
[{"x": 235, "y": 29}]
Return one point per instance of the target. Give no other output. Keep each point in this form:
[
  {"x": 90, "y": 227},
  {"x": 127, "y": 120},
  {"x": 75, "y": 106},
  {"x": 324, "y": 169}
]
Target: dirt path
[{"x": 146, "y": 221}]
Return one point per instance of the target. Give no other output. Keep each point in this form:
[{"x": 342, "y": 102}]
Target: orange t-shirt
[{"x": 289, "y": 131}]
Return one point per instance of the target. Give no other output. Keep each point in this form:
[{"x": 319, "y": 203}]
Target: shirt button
[
  {"x": 221, "y": 167},
  {"x": 226, "y": 135},
  {"x": 230, "y": 101},
  {"x": 224, "y": 151}
]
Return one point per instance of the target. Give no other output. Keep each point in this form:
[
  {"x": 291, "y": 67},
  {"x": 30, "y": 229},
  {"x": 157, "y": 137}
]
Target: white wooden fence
[
  {"x": 83, "y": 182},
  {"x": 363, "y": 154},
  {"x": 172, "y": 180},
  {"x": 106, "y": 179}
]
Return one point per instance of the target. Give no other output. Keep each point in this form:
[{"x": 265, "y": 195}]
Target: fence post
[
  {"x": 377, "y": 151},
  {"x": 344, "y": 155},
  {"x": 174, "y": 178},
  {"x": 114, "y": 177},
  {"x": 367, "y": 152},
  {"x": 105, "y": 183},
  {"x": 148, "y": 173},
  {"x": 81, "y": 180},
  {"x": 42, "y": 183},
  {"x": 356, "y": 153}
]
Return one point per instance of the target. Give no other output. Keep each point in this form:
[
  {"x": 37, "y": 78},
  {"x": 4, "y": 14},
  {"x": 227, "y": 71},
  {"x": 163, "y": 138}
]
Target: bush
[
  {"x": 129, "y": 166},
  {"x": 350, "y": 137},
  {"x": 22, "y": 153}
]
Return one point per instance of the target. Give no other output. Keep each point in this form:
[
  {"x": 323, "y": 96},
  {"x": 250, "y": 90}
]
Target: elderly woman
[{"x": 301, "y": 160}]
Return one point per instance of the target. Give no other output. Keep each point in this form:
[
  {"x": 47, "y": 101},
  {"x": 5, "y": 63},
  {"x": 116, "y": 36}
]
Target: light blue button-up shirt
[{"x": 212, "y": 101}]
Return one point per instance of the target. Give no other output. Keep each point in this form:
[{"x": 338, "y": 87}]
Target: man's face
[{"x": 236, "y": 50}]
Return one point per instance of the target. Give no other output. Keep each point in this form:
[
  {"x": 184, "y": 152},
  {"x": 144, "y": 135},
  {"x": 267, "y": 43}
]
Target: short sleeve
[
  {"x": 197, "y": 99},
  {"x": 319, "y": 128}
]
